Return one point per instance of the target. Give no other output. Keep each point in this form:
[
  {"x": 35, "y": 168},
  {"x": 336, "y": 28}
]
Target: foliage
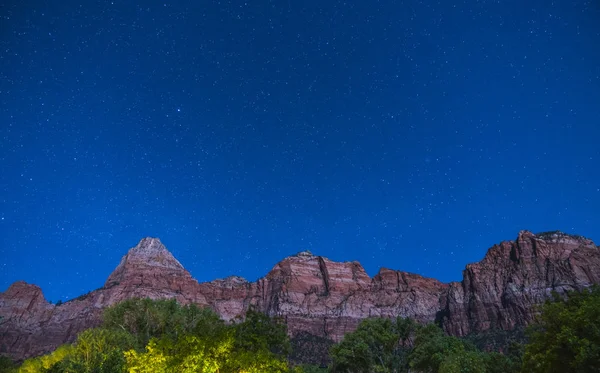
[
  {"x": 308, "y": 368},
  {"x": 100, "y": 348},
  {"x": 503, "y": 363},
  {"x": 497, "y": 339},
  {"x": 255, "y": 345},
  {"x": 81, "y": 297},
  {"x": 261, "y": 344},
  {"x": 46, "y": 362},
  {"x": 142, "y": 335},
  {"x": 95, "y": 351},
  {"x": 433, "y": 346},
  {"x": 189, "y": 354},
  {"x": 377, "y": 345},
  {"x": 146, "y": 319},
  {"x": 461, "y": 361},
  {"x": 258, "y": 332},
  {"x": 566, "y": 337},
  {"x": 6, "y": 365},
  {"x": 310, "y": 349}
]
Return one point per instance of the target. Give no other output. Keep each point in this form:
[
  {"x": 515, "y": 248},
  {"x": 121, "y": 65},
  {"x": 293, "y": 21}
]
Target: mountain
[{"x": 316, "y": 296}]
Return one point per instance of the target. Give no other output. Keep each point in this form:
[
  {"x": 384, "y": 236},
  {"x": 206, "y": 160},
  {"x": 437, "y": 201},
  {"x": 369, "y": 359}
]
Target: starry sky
[{"x": 406, "y": 134}]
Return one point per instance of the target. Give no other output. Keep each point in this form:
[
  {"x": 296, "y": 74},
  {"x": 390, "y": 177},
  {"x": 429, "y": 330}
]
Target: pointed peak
[
  {"x": 305, "y": 254},
  {"x": 149, "y": 252},
  {"x": 152, "y": 252},
  {"x": 148, "y": 245}
]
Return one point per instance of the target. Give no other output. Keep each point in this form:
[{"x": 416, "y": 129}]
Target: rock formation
[
  {"x": 501, "y": 290},
  {"x": 318, "y": 296}
]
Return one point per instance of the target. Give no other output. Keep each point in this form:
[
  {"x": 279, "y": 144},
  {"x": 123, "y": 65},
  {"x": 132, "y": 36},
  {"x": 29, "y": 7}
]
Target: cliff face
[
  {"x": 329, "y": 299},
  {"x": 30, "y": 326},
  {"x": 501, "y": 290},
  {"x": 318, "y": 296}
]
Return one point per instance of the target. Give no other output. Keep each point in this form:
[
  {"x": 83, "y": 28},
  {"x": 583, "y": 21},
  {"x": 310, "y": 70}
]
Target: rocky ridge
[{"x": 316, "y": 295}]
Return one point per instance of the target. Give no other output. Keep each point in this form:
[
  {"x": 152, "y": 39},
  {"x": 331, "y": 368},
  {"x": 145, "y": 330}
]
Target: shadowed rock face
[{"x": 318, "y": 296}]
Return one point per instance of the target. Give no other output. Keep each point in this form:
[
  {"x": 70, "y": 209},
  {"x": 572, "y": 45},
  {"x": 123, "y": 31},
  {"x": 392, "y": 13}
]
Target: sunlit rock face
[{"x": 316, "y": 295}]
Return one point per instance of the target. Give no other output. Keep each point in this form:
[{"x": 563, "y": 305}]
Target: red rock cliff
[
  {"x": 316, "y": 295},
  {"x": 501, "y": 290}
]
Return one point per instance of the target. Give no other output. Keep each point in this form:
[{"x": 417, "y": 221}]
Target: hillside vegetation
[{"x": 143, "y": 335}]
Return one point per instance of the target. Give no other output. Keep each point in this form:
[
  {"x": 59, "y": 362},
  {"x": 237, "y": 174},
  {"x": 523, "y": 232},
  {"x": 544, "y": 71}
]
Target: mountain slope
[{"x": 316, "y": 295}]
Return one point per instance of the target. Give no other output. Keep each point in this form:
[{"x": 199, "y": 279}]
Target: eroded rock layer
[{"x": 316, "y": 295}]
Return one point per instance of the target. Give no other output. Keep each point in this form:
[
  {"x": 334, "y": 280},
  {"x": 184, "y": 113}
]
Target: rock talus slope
[{"x": 318, "y": 296}]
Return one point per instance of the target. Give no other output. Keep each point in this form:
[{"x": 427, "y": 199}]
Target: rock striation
[
  {"x": 501, "y": 290},
  {"x": 317, "y": 296}
]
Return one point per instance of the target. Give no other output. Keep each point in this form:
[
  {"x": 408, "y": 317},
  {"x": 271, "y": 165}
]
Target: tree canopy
[
  {"x": 566, "y": 337},
  {"x": 143, "y": 335},
  {"x": 377, "y": 345}
]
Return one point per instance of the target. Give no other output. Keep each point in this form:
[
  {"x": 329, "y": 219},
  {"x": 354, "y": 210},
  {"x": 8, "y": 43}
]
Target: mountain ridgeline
[{"x": 319, "y": 299}]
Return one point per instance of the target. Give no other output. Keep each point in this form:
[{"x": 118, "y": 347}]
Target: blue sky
[{"x": 406, "y": 134}]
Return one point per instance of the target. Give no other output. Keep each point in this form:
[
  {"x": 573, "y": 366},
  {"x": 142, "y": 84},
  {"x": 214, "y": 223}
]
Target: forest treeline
[{"x": 143, "y": 335}]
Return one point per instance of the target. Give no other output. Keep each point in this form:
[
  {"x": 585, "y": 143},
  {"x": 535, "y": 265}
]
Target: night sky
[{"x": 407, "y": 134}]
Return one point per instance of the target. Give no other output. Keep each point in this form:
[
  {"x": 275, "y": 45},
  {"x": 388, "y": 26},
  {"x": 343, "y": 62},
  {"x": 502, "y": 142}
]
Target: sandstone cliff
[
  {"x": 318, "y": 296},
  {"x": 501, "y": 290}
]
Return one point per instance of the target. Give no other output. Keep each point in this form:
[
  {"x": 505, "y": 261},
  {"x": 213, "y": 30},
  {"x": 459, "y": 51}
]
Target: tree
[
  {"x": 496, "y": 362},
  {"x": 462, "y": 361},
  {"x": 101, "y": 350},
  {"x": 48, "y": 362},
  {"x": 261, "y": 344},
  {"x": 566, "y": 335},
  {"x": 377, "y": 345},
  {"x": 433, "y": 346},
  {"x": 95, "y": 351},
  {"x": 6, "y": 365},
  {"x": 142, "y": 335},
  {"x": 307, "y": 368},
  {"x": 196, "y": 354},
  {"x": 146, "y": 319},
  {"x": 258, "y": 332},
  {"x": 154, "y": 359}
]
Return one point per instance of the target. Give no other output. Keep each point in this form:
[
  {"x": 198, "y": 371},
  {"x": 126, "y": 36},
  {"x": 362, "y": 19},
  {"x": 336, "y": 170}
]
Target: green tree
[
  {"x": 259, "y": 332},
  {"x": 154, "y": 359},
  {"x": 566, "y": 336},
  {"x": 95, "y": 351},
  {"x": 496, "y": 362},
  {"x": 48, "y": 362},
  {"x": 146, "y": 319},
  {"x": 377, "y": 345},
  {"x": 432, "y": 347},
  {"x": 196, "y": 354},
  {"x": 100, "y": 350},
  {"x": 462, "y": 361},
  {"x": 307, "y": 368},
  {"x": 7, "y": 365},
  {"x": 261, "y": 344},
  {"x": 142, "y": 335}
]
